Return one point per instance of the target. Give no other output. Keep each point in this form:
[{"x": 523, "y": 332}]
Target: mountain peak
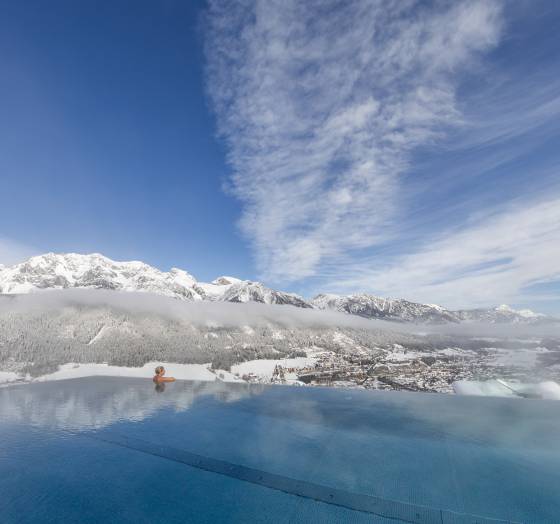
[
  {"x": 74, "y": 270},
  {"x": 504, "y": 307},
  {"x": 226, "y": 281}
]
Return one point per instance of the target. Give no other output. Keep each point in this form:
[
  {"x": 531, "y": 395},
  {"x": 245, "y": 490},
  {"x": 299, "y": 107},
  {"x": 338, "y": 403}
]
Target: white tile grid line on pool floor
[{"x": 381, "y": 507}]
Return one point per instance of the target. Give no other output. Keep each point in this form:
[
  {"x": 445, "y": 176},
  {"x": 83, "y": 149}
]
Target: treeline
[{"x": 39, "y": 341}]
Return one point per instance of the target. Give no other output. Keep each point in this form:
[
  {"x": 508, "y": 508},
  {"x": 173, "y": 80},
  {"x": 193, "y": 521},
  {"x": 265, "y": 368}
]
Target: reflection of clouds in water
[
  {"x": 265, "y": 441},
  {"x": 486, "y": 421},
  {"x": 500, "y": 422},
  {"x": 100, "y": 401}
]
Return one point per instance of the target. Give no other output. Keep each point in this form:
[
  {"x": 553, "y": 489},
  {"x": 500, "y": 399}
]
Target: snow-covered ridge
[
  {"x": 63, "y": 271},
  {"x": 370, "y": 306}
]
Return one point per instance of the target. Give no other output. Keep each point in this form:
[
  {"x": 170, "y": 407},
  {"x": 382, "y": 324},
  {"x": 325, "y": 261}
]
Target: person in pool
[{"x": 159, "y": 378}]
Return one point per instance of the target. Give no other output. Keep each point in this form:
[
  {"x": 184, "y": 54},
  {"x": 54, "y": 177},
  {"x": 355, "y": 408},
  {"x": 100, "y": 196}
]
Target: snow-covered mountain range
[
  {"x": 370, "y": 306},
  {"x": 61, "y": 271}
]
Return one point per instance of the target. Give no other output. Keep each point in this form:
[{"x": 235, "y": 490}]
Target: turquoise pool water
[{"x": 115, "y": 450}]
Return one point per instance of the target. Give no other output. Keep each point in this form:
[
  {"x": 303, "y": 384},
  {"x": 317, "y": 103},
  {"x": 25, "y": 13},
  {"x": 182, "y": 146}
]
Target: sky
[{"x": 401, "y": 148}]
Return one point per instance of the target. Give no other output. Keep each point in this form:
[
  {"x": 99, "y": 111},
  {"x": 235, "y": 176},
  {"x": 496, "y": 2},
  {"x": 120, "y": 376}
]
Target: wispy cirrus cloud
[
  {"x": 321, "y": 104},
  {"x": 492, "y": 259}
]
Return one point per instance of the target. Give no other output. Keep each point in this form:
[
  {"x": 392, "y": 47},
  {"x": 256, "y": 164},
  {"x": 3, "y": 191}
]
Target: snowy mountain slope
[
  {"x": 62, "y": 271},
  {"x": 501, "y": 314},
  {"x": 370, "y": 306},
  {"x": 255, "y": 292}
]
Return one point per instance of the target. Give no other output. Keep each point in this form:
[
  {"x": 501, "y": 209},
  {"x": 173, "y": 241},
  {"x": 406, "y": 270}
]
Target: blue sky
[
  {"x": 406, "y": 149},
  {"x": 107, "y": 142}
]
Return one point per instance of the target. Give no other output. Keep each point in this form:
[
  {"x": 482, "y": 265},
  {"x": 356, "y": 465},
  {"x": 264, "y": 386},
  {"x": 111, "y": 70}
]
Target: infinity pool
[{"x": 115, "y": 450}]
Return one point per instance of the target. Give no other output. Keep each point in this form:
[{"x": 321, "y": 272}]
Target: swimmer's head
[{"x": 160, "y": 370}]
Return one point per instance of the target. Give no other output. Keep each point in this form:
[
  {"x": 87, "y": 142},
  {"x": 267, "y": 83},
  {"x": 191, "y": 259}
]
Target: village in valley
[{"x": 403, "y": 369}]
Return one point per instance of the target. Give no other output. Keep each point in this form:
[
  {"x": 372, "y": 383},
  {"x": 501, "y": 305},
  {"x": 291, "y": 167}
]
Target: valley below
[
  {"x": 67, "y": 315},
  {"x": 42, "y": 334}
]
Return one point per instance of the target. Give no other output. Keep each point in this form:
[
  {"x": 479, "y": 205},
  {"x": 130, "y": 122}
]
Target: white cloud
[
  {"x": 489, "y": 261},
  {"x": 320, "y": 104}
]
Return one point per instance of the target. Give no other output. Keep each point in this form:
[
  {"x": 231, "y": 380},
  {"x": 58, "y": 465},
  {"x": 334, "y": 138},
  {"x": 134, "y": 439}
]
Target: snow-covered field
[
  {"x": 262, "y": 369},
  {"x": 8, "y": 376},
  {"x": 179, "y": 371}
]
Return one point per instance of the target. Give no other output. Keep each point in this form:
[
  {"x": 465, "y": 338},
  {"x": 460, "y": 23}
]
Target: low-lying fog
[{"x": 227, "y": 314}]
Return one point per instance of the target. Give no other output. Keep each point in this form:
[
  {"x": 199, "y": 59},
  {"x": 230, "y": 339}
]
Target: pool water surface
[{"x": 106, "y": 449}]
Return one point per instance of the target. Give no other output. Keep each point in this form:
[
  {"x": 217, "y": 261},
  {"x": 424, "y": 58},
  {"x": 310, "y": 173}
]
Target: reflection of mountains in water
[{"x": 102, "y": 401}]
